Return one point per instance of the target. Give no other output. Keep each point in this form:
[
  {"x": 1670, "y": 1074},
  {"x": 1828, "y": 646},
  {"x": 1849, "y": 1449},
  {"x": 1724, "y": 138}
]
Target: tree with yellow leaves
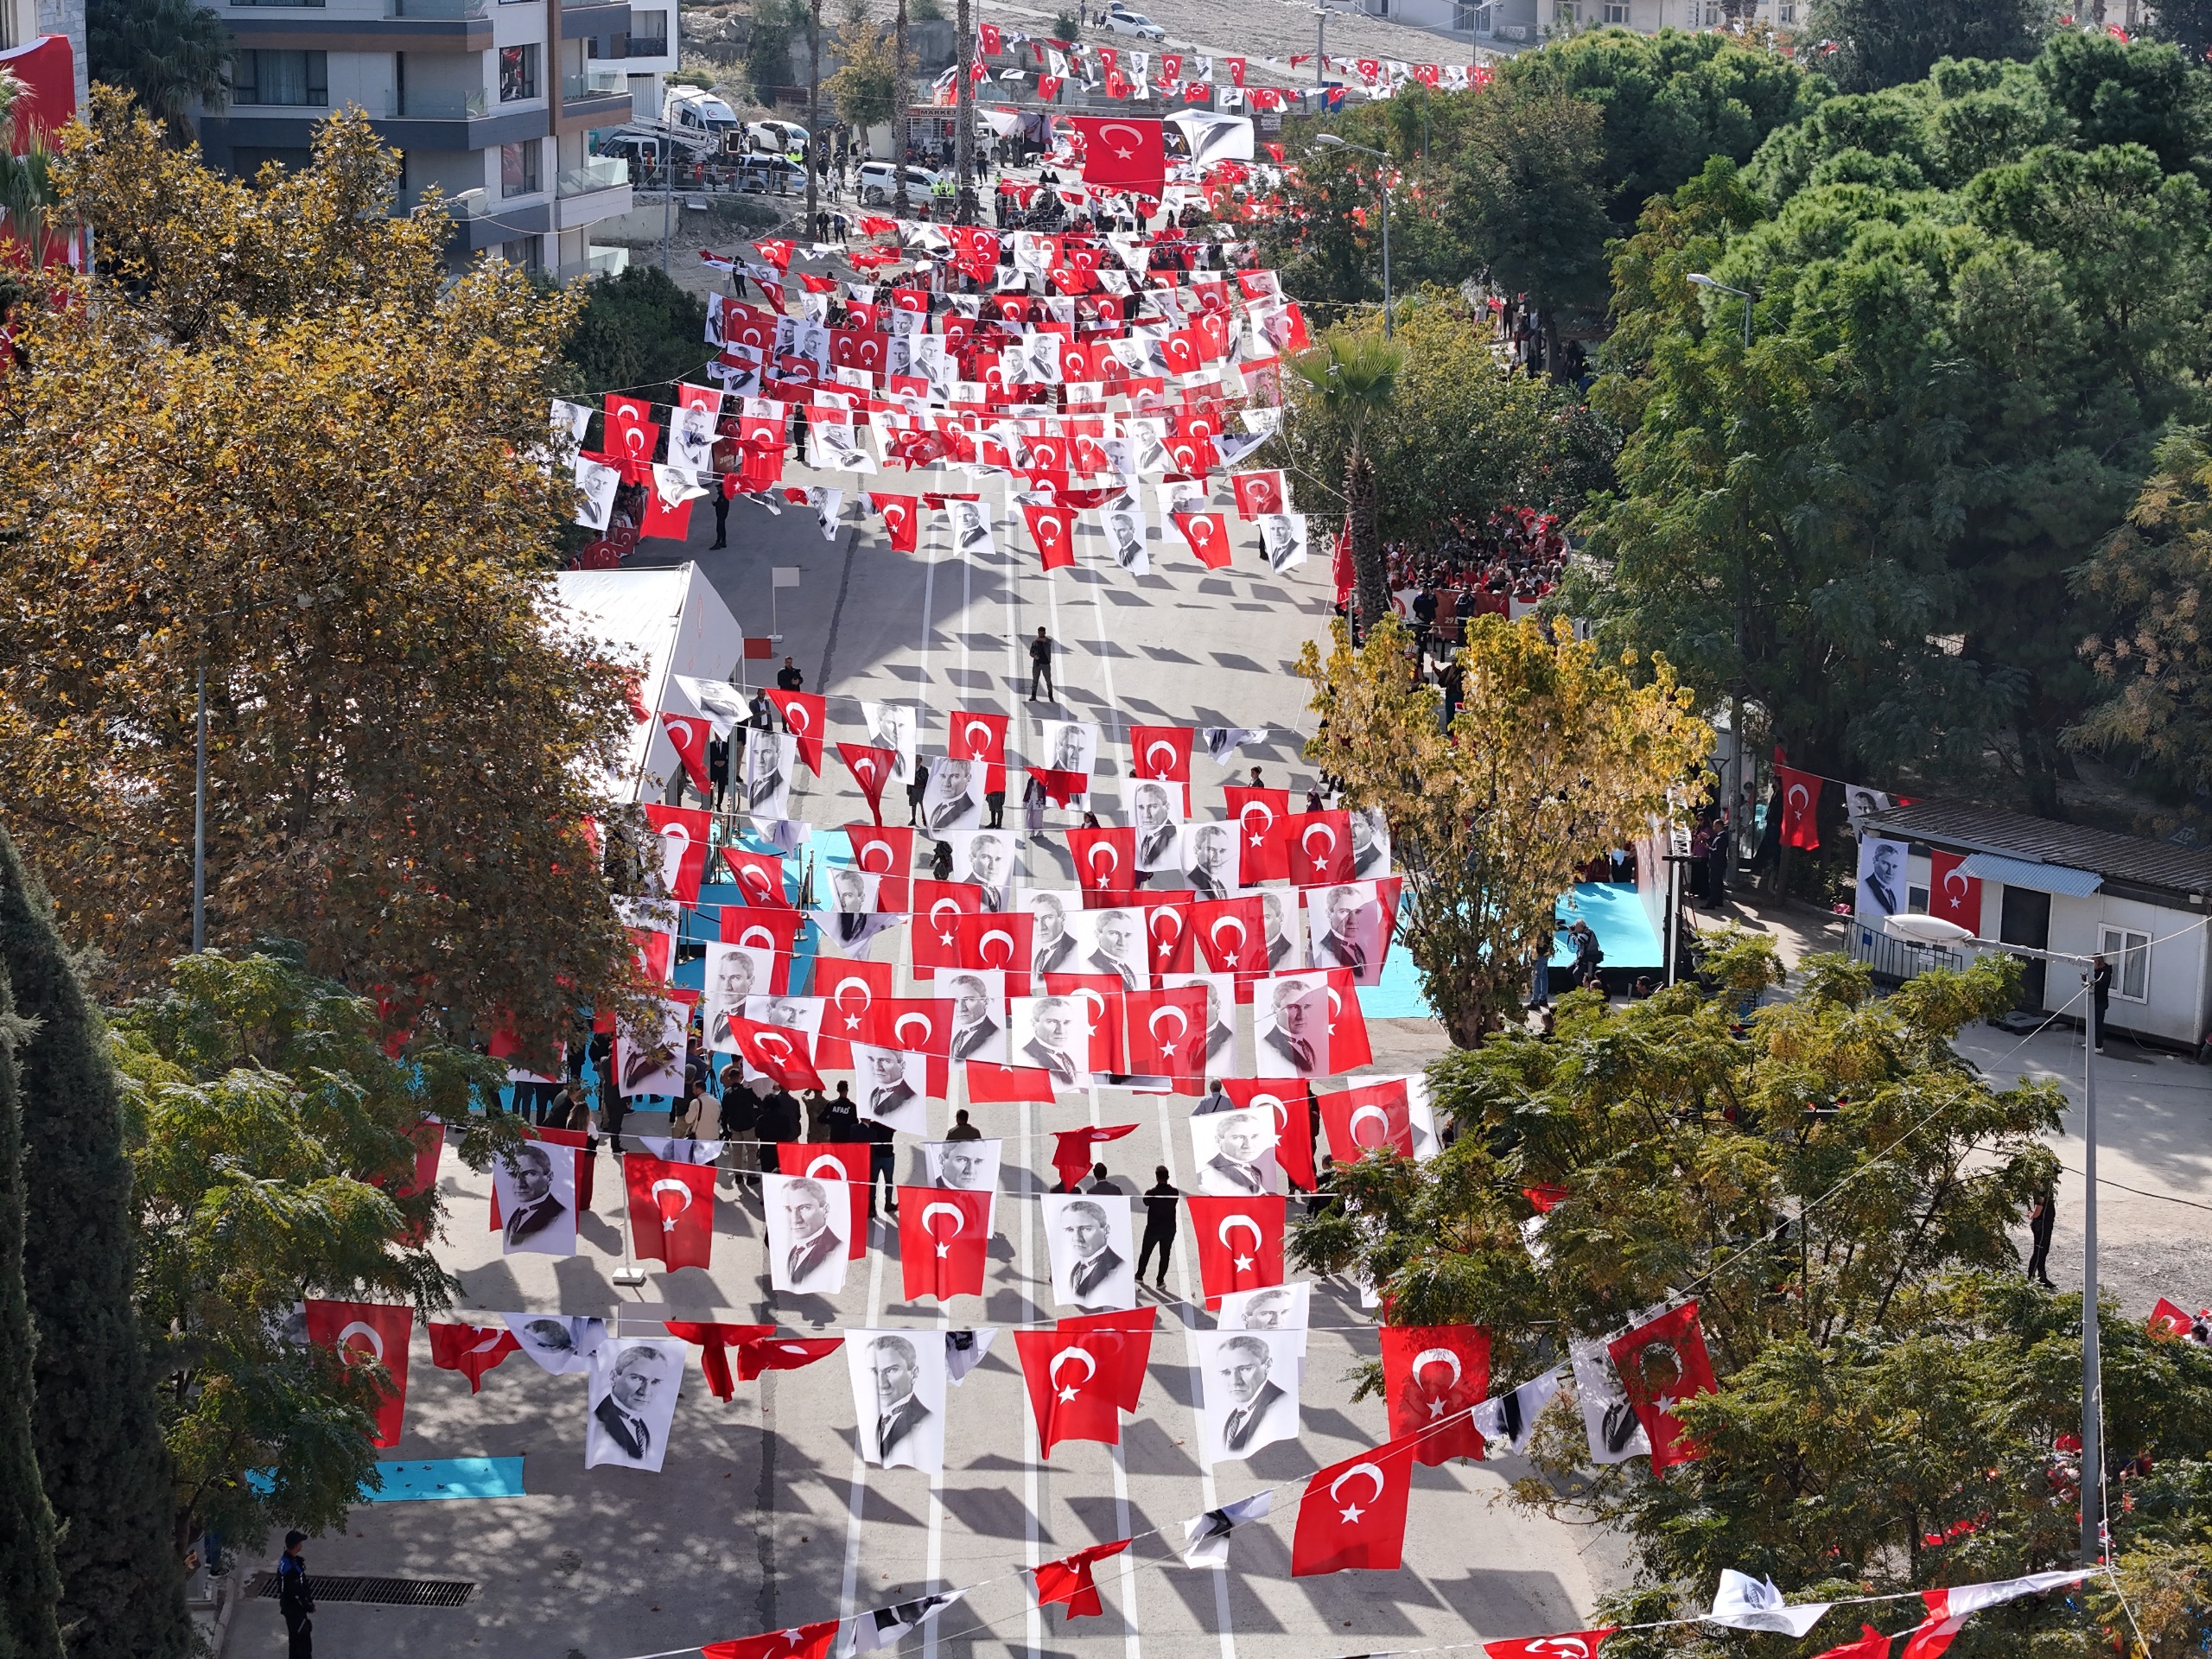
[
  {"x": 273, "y": 440},
  {"x": 1553, "y": 757}
]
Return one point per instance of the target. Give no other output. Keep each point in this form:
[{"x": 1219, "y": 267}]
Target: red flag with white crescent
[
  {"x": 1262, "y": 815},
  {"x": 1951, "y": 893},
  {"x": 1230, "y": 935},
  {"x": 1240, "y": 1241},
  {"x": 901, "y": 520},
  {"x": 781, "y": 1054},
  {"x": 1162, "y": 753},
  {"x": 916, "y": 1025},
  {"x": 759, "y": 876},
  {"x": 1319, "y": 847},
  {"x": 996, "y": 941},
  {"x": 1291, "y": 1103},
  {"x": 1568, "y": 1644},
  {"x": 1167, "y": 928},
  {"x": 881, "y": 849},
  {"x": 1101, "y": 996},
  {"x": 848, "y": 989},
  {"x": 714, "y": 1342},
  {"x": 871, "y": 769},
  {"x": 805, "y": 714},
  {"x": 775, "y": 931},
  {"x": 1051, "y": 532},
  {"x": 684, "y": 832},
  {"x": 472, "y": 1350},
  {"x": 802, "y": 1641},
  {"x": 944, "y": 1240},
  {"x": 1121, "y": 151},
  {"x": 1353, "y": 1514},
  {"x": 1165, "y": 1032},
  {"x": 1072, "y": 1387},
  {"x": 1433, "y": 1375},
  {"x": 1661, "y": 1364},
  {"x": 937, "y": 908},
  {"x": 1122, "y": 1342},
  {"x": 974, "y": 735},
  {"x": 688, "y": 733},
  {"x": 1105, "y": 859},
  {"x": 370, "y": 1334},
  {"x": 2168, "y": 1320},
  {"x": 1207, "y": 534},
  {"x": 993, "y": 1083},
  {"x": 781, "y": 1353},
  {"x": 1800, "y": 806},
  {"x": 1259, "y": 494},
  {"x": 671, "y": 1211}
]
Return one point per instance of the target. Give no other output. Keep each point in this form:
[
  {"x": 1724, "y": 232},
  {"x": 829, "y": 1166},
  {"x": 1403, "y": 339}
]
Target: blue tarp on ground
[
  {"x": 448, "y": 1477},
  {"x": 1614, "y": 912}
]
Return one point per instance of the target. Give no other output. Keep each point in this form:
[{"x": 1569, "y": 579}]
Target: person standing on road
[
  {"x": 2100, "y": 993},
  {"x": 2043, "y": 1217},
  {"x": 295, "y": 1598},
  {"x": 882, "y": 1165},
  {"x": 1040, "y": 667},
  {"x": 1161, "y": 1199}
]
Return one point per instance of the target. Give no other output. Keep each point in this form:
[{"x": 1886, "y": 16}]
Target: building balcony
[
  {"x": 595, "y": 83},
  {"x": 441, "y": 10},
  {"x": 430, "y": 105},
  {"x": 596, "y": 262},
  {"x": 605, "y": 173}
]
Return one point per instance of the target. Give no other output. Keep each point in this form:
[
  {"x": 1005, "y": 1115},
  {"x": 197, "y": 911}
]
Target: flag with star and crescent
[
  {"x": 1353, "y": 1514},
  {"x": 1433, "y": 1375},
  {"x": 944, "y": 1237}
]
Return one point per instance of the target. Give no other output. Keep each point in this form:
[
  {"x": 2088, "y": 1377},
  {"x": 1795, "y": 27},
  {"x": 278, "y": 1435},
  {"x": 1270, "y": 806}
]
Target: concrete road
[{"x": 765, "y": 1516}]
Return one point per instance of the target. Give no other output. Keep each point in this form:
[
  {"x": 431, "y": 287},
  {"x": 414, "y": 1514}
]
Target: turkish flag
[
  {"x": 1318, "y": 846},
  {"x": 849, "y": 988},
  {"x": 1162, "y": 753},
  {"x": 1068, "y": 1581},
  {"x": 1207, "y": 534},
  {"x": 916, "y": 1025},
  {"x": 1259, "y": 493},
  {"x": 2167, "y": 1320},
  {"x": 577, "y": 1142},
  {"x": 1350, "y": 1047},
  {"x": 839, "y": 1165},
  {"x": 1051, "y": 530},
  {"x": 1871, "y": 1644},
  {"x": 1065, "y": 788},
  {"x": 1262, "y": 813},
  {"x": 803, "y": 1642},
  {"x": 1101, "y": 996},
  {"x": 369, "y": 1333},
  {"x": 1073, "y": 1385},
  {"x": 991, "y": 1082},
  {"x": 781, "y": 1353},
  {"x": 1568, "y": 1644},
  {"x": 671, "y": 1211},
  {"x": 975, "y": 735},
  {"x": 1235, "y": 71},
  {"x": 943, "y": 1238},
  {"x": 938, "y": 907},
  {"x": 684, "y": 832},
  {"x": 783, "y": 1056},
  {"x": 1106, "y": 859},
  {"x": 714, "y": 1342},
  {"x": 1165, "y": 1032},
  {"x": 472, "y": 1350},
  {"x": 1360, "y": 1119},
  {"x": 1800, "y": 806},
  {"x": 882, "y": 849},
  {"x": 1661, "y": 1364},
  {"x": 770, "y": 930},
  {"x": 1122, "y": 152},
  {"x": 805, "y": 714},
  {"x": 1952, "y": 894},
  {"x": 1167, "y": 928},
  {"x": 1433, "y": 1375},
  {"x": 902, "y": 523},
  {"x": 1071, "y": 1149},
  {"x": 689, "y": 733},
  {"x": 871, "y": 770},
  {"x": 987, "y": 40},
  {"x": 995, "y": 941},
  {"x": 1122, "y": 1342},
  {"x": 1353, "y": 1514},
  {"x": 1292, "y": 1105},
  {"x": 759, "y": 877},
  {"x": 1240, "y": 1241},
  {"x": 1230, "y": 934}
]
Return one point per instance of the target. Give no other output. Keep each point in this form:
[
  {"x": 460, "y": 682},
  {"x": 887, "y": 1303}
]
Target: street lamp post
[
  {"x": 1738, "y": 814},
  {"x": 1935, "y": 931},
  {"x": 1383, "y": 179}
]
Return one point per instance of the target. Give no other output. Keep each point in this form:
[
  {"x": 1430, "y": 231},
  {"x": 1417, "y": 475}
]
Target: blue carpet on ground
[
  {"x": 448, "y": 1477},
  {"x": 1612, "y": 908}
]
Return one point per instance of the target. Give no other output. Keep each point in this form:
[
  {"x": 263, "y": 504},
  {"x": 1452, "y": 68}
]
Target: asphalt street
[{"x": 764, "y": 1516}]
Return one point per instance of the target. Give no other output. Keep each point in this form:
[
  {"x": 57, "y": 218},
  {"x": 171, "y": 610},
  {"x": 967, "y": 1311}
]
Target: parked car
[
  {"x": 776, "y": 138},
  {"x": 767, "y": 173},
  {"x": 1120, "y": 20},
  {"x": 879, "y": 182}
]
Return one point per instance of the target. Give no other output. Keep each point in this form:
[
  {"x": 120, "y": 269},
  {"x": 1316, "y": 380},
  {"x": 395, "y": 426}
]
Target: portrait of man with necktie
[
  {"x": 1245, "y": 1408},
  {"x": 1347, "y": 920},
  {"x": 633, "y": 1385},
  {"x": 1087, "y": 1271},
  {"x": 899, "y": 1397},
  {"x": 805, "y": 1253},
  {"x": 1059, "y": 1039},
  {"x": 1239, "y": 1164},
  {"x": 1291, "y": 1026}
]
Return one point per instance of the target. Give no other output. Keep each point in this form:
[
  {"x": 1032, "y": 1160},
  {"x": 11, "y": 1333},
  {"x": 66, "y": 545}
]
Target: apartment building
[
  {"x": 492, "y": 101},
  {"x": 1518, "y": 23},
  {"x": 25, "y": 24}
]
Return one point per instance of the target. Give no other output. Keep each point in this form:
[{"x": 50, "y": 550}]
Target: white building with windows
[
  {"x": 1509, "y": 23},
  {"x": 492, "y": 101},
  {"x": 2145, "y": 905}
]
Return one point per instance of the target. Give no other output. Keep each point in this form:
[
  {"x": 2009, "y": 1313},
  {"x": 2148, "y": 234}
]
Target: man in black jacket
[
  {"x": 295, "y": 1598},
  {"x": 776, "y": 1123},
  {"x": 1160, "y": 1200}
]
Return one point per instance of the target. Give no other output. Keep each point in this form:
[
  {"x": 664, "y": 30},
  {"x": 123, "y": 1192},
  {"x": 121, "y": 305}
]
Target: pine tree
[
  {"x": 28, "y": 1585},
  {"x": 98, "y": 1446}
]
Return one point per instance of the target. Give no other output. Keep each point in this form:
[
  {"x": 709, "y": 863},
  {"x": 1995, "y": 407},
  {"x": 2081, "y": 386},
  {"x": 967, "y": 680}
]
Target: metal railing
[
  {"x": 595, "y": 83},
  {"x": 1896, "y": 960},
  {"x": 446, "y": 10},
  {"x": 596, "y": 262},
  {"x": 427, "y": 106},
  {"x": 607, "y": 173}
]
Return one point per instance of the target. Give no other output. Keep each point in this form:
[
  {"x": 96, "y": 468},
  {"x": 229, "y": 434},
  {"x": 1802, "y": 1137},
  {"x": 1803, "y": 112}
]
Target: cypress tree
[
  {"x": 28, "y": 1585},
  {"x": 97, "y": 1439}
]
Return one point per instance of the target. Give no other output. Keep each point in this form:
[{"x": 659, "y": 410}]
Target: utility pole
[
  {"x": 1321, "y": 43},
  {"x": 964, "y": 110},
  {"x": 899, "y": 111},
  {"x": 199, "y": 817},
  {"x": 813, "y": 106}
]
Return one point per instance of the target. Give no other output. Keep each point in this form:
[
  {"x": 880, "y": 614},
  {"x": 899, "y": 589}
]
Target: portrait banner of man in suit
[
  {"x": 806, "y": 1254},
  {"x": 1290, "y": 1025},
  {"x": 891, "y": 1086},
  {"x": 899, "y": 1397},
  {"x": 735, "y": 973},
  {"x": 1249, "y": 1381},
  {"x": 986, "y": 858},
  {"x": 891, "y": 726},
  {"x": 1112, "y": 942},
  {"x": 1052, "y": 947},
  {"x": 1283, "y": 1308},
  {"x": 1051, "y": 1034},
  {"x": 537, "y": 1189},
  {"x": 1210, "y": 859},
  {"x": 1286, "y": 929},
  {"x": 561, "y": 1343},
  {"x": 1088, "y": 1241},
  {"x": 650, "y": 1061},
  {"x": 1235, "y": 1153},
  {"x": 633, "y": 1386},
  {"x": 1347, "y": 927},
  {"x": 953, "y": 798},
  {"x": 1069, "y": 745},
  {"x": 770, "y": 758},
  {"x": 1155, "y": 809},
  {"x": 978, "y": 1013},
  {"x": 1220, "y": 1059},
  {"x": 1882, "y": 886},
  {"x": 1370, "y": 843}
]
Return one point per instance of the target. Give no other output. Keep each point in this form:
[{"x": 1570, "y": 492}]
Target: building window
[
  {"x": 648, "y": 34},
  {"x": 292, "y": 78},
  {"x": 1616, "y": 11},
  {"x": 2129, "y": 953},
  {"x": 1565, "y": 13},
  {"x": 1785, "y": 11},
  {"x": 518, "y": 168},
  {"x": 517, "y": 73}
]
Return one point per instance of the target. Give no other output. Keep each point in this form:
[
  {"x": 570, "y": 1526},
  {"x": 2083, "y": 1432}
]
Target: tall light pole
[
  {"x": 1935, "y": 931},
  {"x": 1738, "y": 813},
  {"x": 1382, "y": 180}
]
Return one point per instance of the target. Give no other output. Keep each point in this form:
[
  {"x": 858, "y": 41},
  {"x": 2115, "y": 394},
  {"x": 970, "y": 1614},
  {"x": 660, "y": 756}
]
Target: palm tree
[
  {"x": 172, "y": 53},
  {"x": 1355, "y": 379}
]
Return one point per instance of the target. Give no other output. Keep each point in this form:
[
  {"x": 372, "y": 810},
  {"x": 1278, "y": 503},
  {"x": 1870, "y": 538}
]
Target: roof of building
[{"x": 2043, "y": 841}]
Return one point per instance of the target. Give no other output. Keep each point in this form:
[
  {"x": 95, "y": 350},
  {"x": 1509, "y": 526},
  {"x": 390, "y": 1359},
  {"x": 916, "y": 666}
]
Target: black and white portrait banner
[
  {"x": 635, "y": 1381},
  {"x": 899, "y": 1381}
]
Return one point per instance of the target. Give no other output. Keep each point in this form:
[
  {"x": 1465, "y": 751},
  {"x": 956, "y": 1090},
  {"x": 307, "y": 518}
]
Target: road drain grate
[{"x": 390, "y": 1593}]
